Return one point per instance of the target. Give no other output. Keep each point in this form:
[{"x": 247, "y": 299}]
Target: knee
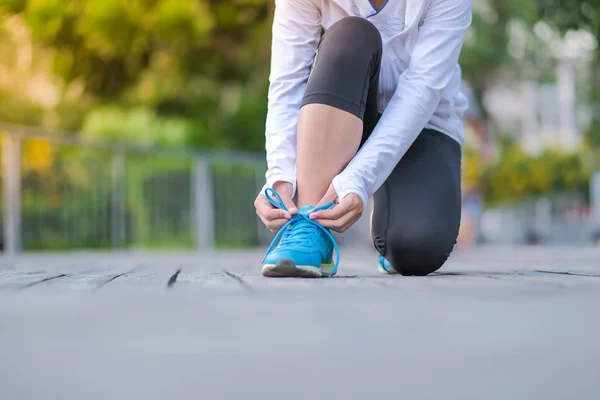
[
  {"x": 354, "y": 36},
  {"x": 418, "y": 253}
]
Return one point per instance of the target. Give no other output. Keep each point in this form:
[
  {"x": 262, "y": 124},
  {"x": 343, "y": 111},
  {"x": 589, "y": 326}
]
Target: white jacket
[{"x": 419, "y": 85}]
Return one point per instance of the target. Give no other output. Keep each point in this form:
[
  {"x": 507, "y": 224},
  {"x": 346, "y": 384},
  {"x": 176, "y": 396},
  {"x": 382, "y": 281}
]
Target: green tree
[
  {"x": 193, "y": 59},
  {"x": 207, "y": 61},
  {"x": 485, "y": 51},
  {"x": 565, "y": 15}
]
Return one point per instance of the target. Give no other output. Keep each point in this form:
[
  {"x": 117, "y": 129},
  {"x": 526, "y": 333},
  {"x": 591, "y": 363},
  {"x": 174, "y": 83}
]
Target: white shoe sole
[
  {"x": 289, "y": 269},
  {"x": 326, "y": 270},
  {"x": 384, "y": 271}
]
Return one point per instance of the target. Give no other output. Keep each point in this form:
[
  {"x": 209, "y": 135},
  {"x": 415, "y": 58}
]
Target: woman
[{"x": 372, "y": 107}]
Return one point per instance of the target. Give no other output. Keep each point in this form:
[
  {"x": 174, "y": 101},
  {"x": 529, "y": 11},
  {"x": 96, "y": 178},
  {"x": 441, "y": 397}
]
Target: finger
[
  {"x": 329, "y": 197},
  {"x": 331, "y": 214},
  {"x": 289, "y": 204},
  {"x": 343, "y": 222},
  {"x": 276, "y": 225},
  {"x": 340, "y": 225},
  {"x": 275, "y": 213},
  {"x": 284, "y": 189},
  {"x": 333, "y": 225},
  {"x": 265, "y": 210},
  {"x": 261, "y": 204}
]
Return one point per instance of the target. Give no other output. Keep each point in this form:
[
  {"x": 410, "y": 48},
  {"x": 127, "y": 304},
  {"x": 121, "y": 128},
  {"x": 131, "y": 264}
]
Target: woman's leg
[
  {"x": 340, "y": 94},
  {"x": 417, "y": 210},
  {"x": 339, "y": 108}
]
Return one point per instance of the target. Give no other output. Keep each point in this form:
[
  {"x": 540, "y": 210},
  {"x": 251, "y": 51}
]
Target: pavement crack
[
  {"x": 239, "y": 279},
  {"x": 50, "y": 278},
  {"x": 112, "y": 278},
  {"x": 383, "y": 284},
  {"x": 173, "y": 278},
  {"x": 477, "y": 274},
  {"x": 567, "y": 273}
]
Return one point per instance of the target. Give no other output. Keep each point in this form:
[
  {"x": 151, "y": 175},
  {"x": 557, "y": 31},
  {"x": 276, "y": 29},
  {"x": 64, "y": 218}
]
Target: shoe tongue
[{"x": 305, "y": 209}]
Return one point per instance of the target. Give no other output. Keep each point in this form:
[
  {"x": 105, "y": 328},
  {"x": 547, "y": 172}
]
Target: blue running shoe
[
  {"x": 302, "y": 247},
  {"x": 385, "y": 267}
]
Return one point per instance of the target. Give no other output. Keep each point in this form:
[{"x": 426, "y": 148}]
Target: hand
[
  {"x": 274, "y": 218},
  {"x": 343, "y": 215}
]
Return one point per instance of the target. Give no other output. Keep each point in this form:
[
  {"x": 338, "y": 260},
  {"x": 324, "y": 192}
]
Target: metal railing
[{"x": 62, "y": 192}]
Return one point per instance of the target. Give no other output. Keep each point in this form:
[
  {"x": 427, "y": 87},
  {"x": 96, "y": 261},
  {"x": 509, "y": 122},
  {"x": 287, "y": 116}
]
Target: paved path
[{"x": 498, "y": 323}]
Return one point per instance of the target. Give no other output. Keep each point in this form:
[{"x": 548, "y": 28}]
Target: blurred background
[{"x": 140, "y": 123}]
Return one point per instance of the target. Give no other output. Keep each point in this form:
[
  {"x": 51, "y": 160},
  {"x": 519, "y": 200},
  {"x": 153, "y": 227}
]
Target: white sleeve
[
  {"x": 296, "y": 35},
  {"x": 432, "y": 65}
]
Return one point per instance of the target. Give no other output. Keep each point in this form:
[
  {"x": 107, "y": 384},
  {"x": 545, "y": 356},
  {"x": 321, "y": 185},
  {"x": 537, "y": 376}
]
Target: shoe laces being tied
[{"x": 302, "y": 226}]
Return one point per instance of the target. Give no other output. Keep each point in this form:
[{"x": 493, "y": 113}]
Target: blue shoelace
[{"x": 302, "y": 228}]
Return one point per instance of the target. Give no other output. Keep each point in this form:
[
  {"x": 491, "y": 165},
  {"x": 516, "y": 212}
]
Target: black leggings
[{"x": 417, "y": 210}]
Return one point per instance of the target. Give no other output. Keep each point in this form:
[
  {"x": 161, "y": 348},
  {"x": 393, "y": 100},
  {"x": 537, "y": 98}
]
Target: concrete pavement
[{"x": 496, "y": 323}]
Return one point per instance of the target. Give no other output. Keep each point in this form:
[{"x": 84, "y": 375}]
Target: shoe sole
[
  {"x": 384, "y": 271},
  {"x": 326, "y": 270},
  {"x": 289, "y": 269}
]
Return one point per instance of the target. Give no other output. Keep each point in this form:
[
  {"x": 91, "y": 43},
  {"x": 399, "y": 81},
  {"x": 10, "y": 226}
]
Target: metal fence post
[
  {"x": 595, "y": 197},
  {"x": 11, "y": 182},
  {"x": 204, "y": 210},
  {"x": 117, "y": 209}
]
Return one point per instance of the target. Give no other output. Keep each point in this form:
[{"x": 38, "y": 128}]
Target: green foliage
[
  {"x": 176, "y": 59},
  {"x": 520, "y": 175},
  {"x": 571, "y": 14},
  {"x": 486, "y": 47},
  {"x": 12, "y": 6},
  {"x": 579, "y": 14},
  {"x": 167, "y": 64},
  {"x": 245, "y": 128},
  {"x": 139, "y": 126},
  {"x": 16, "y": 110},
  {"x": 108, "y": 43}
]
